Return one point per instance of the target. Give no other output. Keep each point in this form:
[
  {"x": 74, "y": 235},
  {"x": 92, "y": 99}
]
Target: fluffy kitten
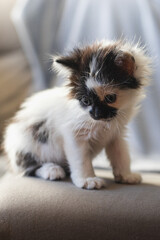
[{"x": 66, "y": 127}]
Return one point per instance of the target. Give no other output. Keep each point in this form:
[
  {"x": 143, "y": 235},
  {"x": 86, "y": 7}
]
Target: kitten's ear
[
  {"x": 67, "y": 64},
  {"x": 126, "y": 62}
]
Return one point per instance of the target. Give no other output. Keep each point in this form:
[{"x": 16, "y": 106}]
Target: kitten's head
[{"x": 105, "y": 77}]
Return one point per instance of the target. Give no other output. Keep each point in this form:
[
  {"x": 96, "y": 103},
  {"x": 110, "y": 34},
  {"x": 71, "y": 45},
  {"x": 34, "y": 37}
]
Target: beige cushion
[
  {"x": 9, "y": 39},
  {"x": 34, "y": 209},
  {"x": 15, "y": 84}
]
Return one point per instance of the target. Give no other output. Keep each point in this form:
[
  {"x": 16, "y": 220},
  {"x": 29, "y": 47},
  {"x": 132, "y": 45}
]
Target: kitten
[{"x": 66, "y": 127}]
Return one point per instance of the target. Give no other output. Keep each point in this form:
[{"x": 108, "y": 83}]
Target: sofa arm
[{"x": 34, "y": 209}]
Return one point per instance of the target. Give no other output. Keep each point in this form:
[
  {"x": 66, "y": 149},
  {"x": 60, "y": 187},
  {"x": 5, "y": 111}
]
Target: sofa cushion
[
  {"x": 35, "y": 209},
  {"x": 9, "y": 39},
  {"x": 15, "y": 84}
]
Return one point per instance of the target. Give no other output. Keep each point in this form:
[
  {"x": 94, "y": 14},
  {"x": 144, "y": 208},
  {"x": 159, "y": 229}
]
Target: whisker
[
  {"x": 122, "y": 114},
  {"x": 117, "y": 126}
]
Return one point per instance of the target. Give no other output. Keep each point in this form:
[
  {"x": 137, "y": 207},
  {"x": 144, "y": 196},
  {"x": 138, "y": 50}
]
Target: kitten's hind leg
[
  {"x": 50, "y": 171},
  {"x": 24, "y": 164}
]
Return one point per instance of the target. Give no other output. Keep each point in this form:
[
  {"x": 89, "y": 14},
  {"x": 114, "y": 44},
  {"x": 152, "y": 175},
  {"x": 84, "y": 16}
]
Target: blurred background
[{"x": 30, "y": 31}]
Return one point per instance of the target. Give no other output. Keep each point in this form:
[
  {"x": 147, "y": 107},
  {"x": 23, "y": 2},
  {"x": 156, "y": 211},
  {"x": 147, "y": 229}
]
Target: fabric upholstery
[
  {"x": 34, "y": 209},
  {"x": 9, "y": 39},
  {"x": 15, "y": 76},
  {"x": 15, "y": 84}
]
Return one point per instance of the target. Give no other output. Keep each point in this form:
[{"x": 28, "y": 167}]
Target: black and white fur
[{"x": 64, "y": 128}]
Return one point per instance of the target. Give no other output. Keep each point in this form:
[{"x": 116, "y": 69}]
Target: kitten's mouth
[{"x": 101, "y": 118}]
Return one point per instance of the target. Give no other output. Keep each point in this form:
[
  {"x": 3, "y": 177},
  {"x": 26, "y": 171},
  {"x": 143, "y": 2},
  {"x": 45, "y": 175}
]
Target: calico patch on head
[{"x": 98, "y": 73}]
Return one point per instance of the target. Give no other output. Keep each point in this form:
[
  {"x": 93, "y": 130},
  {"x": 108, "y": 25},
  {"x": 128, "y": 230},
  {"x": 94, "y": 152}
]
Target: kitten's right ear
[{"x": 67, "y": 64}]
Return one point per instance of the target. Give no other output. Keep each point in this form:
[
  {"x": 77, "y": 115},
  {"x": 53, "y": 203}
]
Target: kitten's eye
[
  {"x": 85, "y": 101},
  {"x": 110, "y": 98}
]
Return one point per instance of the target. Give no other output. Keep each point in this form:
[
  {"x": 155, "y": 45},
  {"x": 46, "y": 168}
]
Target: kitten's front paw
[
  {"x": 51, "y": 172},
  {"x": 131, "y": 178},
  {"x": 90, "y": 183}
]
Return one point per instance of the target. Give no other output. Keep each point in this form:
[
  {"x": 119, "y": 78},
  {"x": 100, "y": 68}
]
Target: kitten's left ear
[
  {"x": 126, "y": 62},
  {"x": 67, "y": 64},
  {"x": 139, "y": 66}
]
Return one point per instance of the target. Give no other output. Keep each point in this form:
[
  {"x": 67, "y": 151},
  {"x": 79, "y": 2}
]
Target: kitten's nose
[
  {"x": 98, "y": 113},
  {"x": 95, "y": 113}
]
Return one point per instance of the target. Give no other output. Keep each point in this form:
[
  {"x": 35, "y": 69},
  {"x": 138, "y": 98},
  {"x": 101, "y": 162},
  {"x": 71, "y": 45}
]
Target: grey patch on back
[
  {"x": 40, "y": 132},
  {"x": 27, "y": 162}
]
